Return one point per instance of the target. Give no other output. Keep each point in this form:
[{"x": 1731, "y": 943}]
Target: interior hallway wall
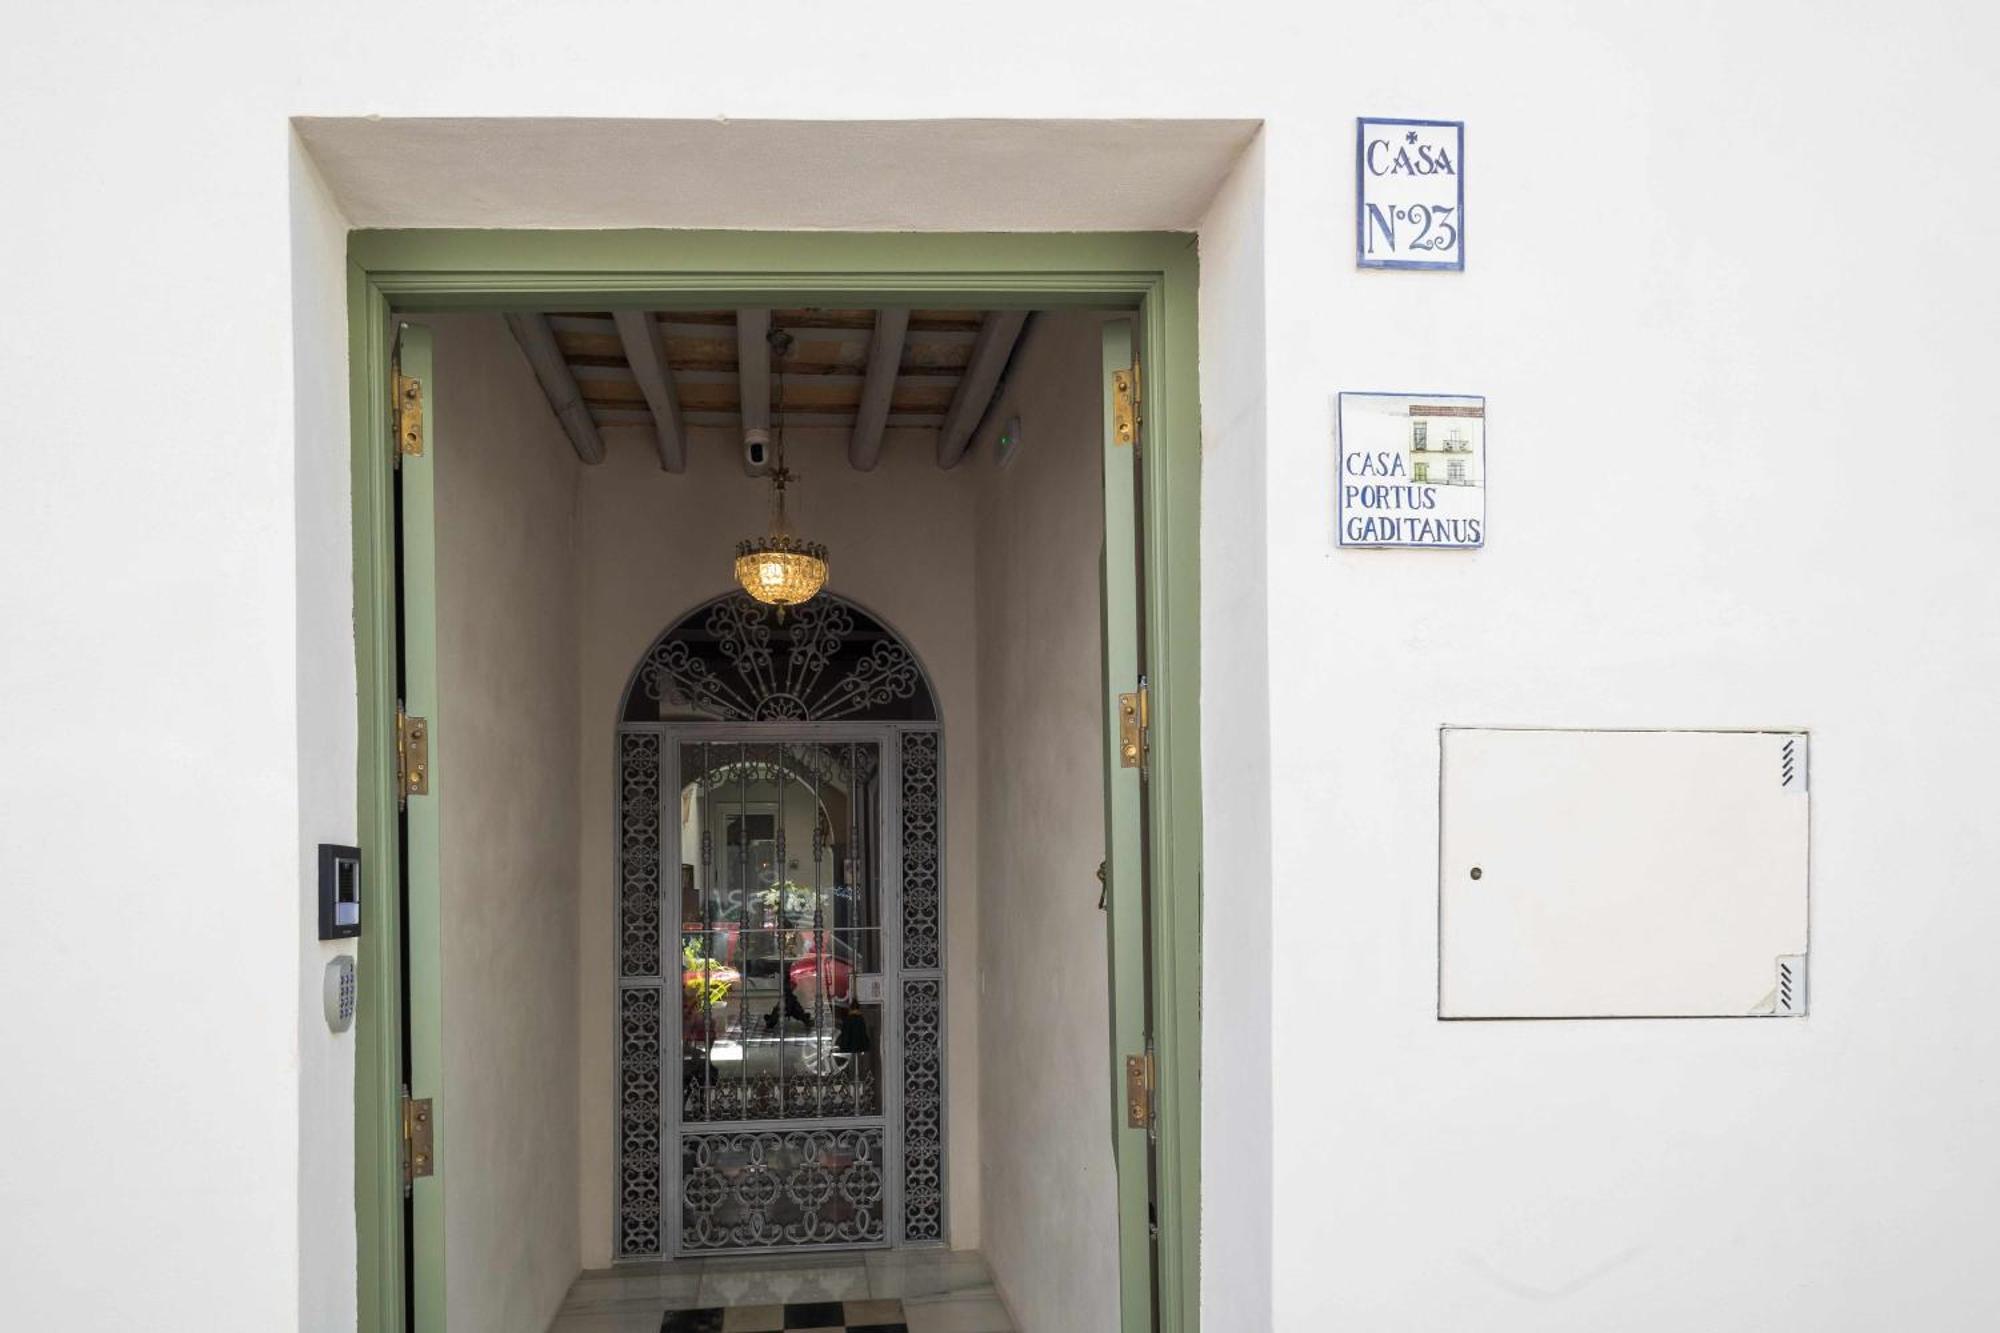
[
  {"x": 652, "y": 546},
  {"x": 506, "y": 758},
  {"x": 1050, "y": 1194}
]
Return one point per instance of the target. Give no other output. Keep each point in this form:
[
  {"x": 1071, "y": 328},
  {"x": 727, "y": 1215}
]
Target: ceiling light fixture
[{"x": 779, "y": 568}]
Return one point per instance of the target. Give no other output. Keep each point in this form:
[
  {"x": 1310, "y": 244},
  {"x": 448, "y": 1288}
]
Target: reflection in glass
[{"x": 780, "y": 921}]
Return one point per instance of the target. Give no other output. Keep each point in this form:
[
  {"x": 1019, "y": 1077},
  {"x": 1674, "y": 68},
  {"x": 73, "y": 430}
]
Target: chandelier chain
[{"x": 780, "y": 569}]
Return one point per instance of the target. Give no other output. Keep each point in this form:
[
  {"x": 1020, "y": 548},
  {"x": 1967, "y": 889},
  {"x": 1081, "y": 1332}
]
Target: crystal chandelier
[{"x": 779, "y": 568}]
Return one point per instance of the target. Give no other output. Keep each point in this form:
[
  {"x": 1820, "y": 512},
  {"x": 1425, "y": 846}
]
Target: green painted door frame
[
  {"x": 396, "y": 274},
  {"x": 1124, "y": 828}
]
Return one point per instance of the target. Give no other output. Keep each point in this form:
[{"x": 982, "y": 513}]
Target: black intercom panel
[{"x": 339, "y": 891}]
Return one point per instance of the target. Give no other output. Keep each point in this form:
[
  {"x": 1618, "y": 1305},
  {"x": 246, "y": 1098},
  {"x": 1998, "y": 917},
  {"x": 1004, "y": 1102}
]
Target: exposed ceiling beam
[
  {"x": 753, "y": 368},
  {"x": 885, "y": 359},
  {"x": 558, "y": 385},
  {"x": 997, "y": 336},
  {"x": 646, "y": 353}
]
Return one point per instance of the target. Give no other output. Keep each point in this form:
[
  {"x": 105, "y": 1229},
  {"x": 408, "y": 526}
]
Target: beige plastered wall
[
  {"x": 991, "y": 575},
  {"x": 1049, "y": 1191},
  {"x": 507, "y": 670}
]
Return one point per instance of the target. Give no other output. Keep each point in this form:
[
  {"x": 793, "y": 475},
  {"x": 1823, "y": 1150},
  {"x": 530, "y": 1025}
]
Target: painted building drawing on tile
[{"x": 1411, "y": 470}]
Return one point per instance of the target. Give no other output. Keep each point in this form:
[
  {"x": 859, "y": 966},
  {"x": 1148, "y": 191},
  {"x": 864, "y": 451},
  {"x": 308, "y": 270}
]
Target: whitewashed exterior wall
[{"x": 1752, "y": 232}]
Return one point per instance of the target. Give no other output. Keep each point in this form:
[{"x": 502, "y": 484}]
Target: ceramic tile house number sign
[
  {"x": 1409, "y": 205},
  {"x": 1412, "y": 470}
]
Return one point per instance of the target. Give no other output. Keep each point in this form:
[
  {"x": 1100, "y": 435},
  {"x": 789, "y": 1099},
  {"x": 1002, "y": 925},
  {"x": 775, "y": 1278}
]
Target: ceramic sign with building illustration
[
  {"x": 1412, "y": 470},
  {"x": 1409, "y": 193}
]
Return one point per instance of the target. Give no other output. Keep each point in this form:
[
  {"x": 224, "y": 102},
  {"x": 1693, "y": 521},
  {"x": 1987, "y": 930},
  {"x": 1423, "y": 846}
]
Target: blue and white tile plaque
[
  {"x": 1412, "y": 470},
  {"x": 1409, "y": 193}
]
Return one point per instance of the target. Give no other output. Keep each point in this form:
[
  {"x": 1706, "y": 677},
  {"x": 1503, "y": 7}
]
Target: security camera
[{"x": 757, "y": 450}]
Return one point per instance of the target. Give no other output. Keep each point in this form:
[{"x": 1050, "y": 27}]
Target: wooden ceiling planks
[
  {"x": 815, "y": 396},
  {"x": 826, "y": 379}
]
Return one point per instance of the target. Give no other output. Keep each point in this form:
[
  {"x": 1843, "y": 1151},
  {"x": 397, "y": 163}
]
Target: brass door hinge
[
  {"x": 419, "y": 1158},
  {"x": 1125, "y": 405},
  {"x": 413, "y": 757},
  {"x": 1133, "y": 721},
  {"x": 1139, "y": 1090},
  {"x": 409, "y": 416}
]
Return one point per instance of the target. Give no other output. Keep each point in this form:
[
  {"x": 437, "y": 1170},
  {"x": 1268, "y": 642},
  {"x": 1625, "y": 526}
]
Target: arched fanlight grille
[{"x": 734, "y": 660}]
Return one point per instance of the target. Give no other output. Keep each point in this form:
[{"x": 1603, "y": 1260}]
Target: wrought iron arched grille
[
  {"x": 833, "y": 700},
  {"x": 733, "y": 660}
]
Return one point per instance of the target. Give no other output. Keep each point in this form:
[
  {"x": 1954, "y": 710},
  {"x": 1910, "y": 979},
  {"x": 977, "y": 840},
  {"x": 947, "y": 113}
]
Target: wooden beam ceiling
[
  {"x": 538, "y": 341},
  {"x": 998, "y": 333},
  {"x": 709, "y": 394},
  {"x": 878, "y": 389},
  {"x": 753, "y": 369},
  {"x": 646, "y": 354},
  {"x": 866, "y": 371}
]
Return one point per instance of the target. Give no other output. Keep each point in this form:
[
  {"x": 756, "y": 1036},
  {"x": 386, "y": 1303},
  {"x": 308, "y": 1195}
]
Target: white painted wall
[
  {"x": 1686, "y": 232},
  {"x": 1237, "y": 644},
  {"x": 1049, "y": 1195},
  {"x": 508, "y": 808},
  {"x": 1702, "y": 220},
  {"x": 327, "y": 738},
  {"x": 653, "y": 546}
]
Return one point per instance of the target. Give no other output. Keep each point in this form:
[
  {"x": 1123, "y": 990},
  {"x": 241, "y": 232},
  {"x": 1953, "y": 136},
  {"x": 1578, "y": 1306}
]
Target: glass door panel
[{"x": 781, "y": 932}]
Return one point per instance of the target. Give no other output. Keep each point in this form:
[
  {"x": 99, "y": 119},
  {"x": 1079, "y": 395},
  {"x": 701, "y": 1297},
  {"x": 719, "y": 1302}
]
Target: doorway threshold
[{"x": 920, "y": 1291}]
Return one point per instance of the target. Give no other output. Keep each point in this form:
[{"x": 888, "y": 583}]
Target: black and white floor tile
[{"x": 870, "y": 1316}]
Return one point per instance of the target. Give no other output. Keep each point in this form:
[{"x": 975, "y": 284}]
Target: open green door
[
  {"x": 399, "y": 1185},
  {"x": 1125, "y": 744},
  {"x": 422, "y": 914}
]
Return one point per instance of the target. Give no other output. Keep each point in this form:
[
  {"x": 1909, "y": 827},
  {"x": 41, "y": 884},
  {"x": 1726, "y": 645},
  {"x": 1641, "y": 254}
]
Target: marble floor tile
[
  {"x": 621, "y": 1321},
  {"x": 939, "y": 1291},
  {"x": 615, "y": 1289},
  {"x": 754, "y": 1319},
  {"x": 926, "y": 1272},
  {"x": 828, "y": 1279},
  {"x": 977, "y": 1311},
  {"x": 778, "y": 1263},
  {"x": 874, "y": 1311},
  {"x": 648, "y": 1268}
]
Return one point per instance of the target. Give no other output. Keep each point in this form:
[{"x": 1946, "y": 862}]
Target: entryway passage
[
  {"x": 895, "y": 1291},
  {"x": 774, "y": 923}
]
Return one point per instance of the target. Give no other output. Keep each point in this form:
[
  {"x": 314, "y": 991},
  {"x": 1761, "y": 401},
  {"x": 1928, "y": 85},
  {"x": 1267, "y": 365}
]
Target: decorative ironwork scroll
[
  {"x": 923, "y": 1109},
  {"x": 717, "y": 1152},
  {"x": 639, "y": 904},
  {"x": 923, "y": 881},
  {"x": 639, "y": 1123},
  {"x": 771, "y": 1189},
  {"x": 923, "y": 988},
  {"x": 733, "y": 660},
  {"x": 797, "y": 1096},
  {"x": 801, "y": 762}
]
